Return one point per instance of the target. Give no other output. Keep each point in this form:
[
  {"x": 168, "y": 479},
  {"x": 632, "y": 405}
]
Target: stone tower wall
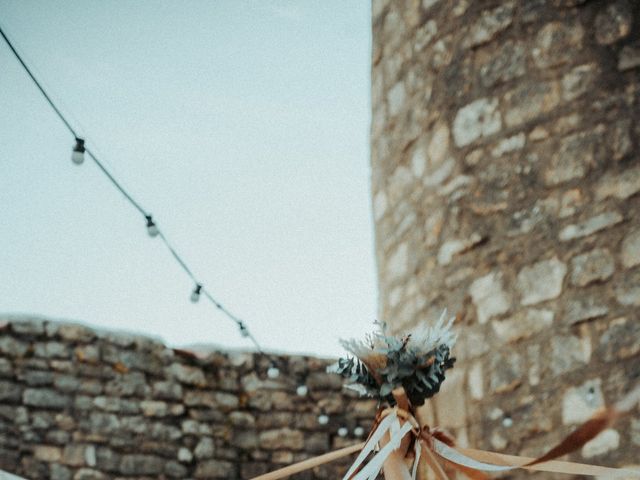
[
  {"x": 76, "y": 404},
  {"x": 506, "y": 178}
]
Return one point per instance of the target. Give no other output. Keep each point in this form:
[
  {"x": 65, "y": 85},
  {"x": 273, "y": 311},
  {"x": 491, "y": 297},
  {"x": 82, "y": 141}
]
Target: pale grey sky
[{"x": 242, "y": 126}]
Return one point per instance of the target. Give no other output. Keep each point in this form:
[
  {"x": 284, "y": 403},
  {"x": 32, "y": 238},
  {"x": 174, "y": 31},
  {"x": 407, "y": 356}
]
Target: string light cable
[{"x": 77, "y": 156}]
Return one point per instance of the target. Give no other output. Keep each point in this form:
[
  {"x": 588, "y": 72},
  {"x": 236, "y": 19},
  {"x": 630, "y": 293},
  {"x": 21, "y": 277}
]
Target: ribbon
[{"x": 398, "y": 422}]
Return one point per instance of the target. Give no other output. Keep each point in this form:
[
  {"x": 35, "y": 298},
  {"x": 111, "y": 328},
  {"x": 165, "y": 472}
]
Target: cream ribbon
[{"x": 391, "y": 424}]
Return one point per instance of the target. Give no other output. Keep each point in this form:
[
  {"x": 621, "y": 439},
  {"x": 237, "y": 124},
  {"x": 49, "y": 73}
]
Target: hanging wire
[
  {"x": 44, "y": 93},
  {"x": 244, "y": 331}
]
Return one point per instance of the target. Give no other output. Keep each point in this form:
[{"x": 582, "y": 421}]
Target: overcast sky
[{"x": 242, "y": 126}]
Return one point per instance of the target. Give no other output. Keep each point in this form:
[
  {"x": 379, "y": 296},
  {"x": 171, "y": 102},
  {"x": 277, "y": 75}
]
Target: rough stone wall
[
  {"x": 85, "y": 405},
  {"x": 505, "y": 178}
]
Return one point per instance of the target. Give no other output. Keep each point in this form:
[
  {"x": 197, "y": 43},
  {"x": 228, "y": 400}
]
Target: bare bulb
[
  {"x": 195, "y": 295},
  {"x": 343, "y": 431},
  {"x": 152, "y": 228},
  {"x": 273, "y": 372},
  {"x": 358, "y": 431},
  {"x": 323, "y": 419},
  {"x": 244, "y": 332},
  {"x": 302, "y": 390},
  {"x": 77, "y": 156}
]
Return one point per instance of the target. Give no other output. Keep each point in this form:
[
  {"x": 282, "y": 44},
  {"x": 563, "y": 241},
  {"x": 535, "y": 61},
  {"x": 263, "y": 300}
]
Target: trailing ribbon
[{"x": 395, "y": 427}]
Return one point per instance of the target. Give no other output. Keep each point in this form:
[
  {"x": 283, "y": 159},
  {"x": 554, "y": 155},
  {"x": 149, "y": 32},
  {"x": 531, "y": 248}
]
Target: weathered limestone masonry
[
  {"x": 505, "y": 172},
  {"x": 85, "y": 405}
]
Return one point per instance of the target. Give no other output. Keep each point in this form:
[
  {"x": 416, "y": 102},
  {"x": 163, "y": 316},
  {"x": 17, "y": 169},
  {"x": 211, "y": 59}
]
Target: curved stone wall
[{"x": 506, "y": 181}]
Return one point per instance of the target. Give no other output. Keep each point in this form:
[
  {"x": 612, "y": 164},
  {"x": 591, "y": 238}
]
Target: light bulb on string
[
  {"x": 343, "y": 432},
  {"x": 195, "y": 295},
  {"x": 302, "y": 390},
  {"x": 244, "y": 331},
  {"x": 507, "y": 422},
  {"x": 358, "y": 431},
  {"x": 323, "y": 419},
  {"x": 77, "y": 156},
  {"x": 152, "y": 228},
  {"x": 273, "y": 372}
]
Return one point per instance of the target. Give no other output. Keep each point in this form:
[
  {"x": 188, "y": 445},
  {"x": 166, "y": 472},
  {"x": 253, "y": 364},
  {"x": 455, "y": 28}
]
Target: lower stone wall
[{"x": 83, "y": 405}]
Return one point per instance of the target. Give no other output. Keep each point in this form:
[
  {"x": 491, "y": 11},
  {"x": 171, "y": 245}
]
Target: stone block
[
  {"x": 576, "y": 154},
  {"x": 504, "y": 64},
  {"x": 47, "y": 453},
  {"x": 557, "y": 43},
  {"x": 527, "y": 102},
  {"x": 52, "y": 350},
  {"x": 242, "y": 419},
  {"x": 194, "y": 427},
  {"x": 185, "y": 455},
  {"x": 45, "y": 398},
  {"x": 596, "y": 265},
  {"x": 10, "y": 392},
  {"x": 245, "y": 439},
  {"x": 154, "y": 408},
  {"x": 128, "y": 384},
  {"x": 107, "y": 459},
  {"x": 75, "y": 455},
  {"x": 508, "y": 145},
  {"x": 506, "y": 372},
  {"x": 489, "y": 296},
  {"x": 87, "y": 353},
  {"x": 219, "y": 400},
  {"x": 629, "y": 57},
  {"x": 397, "y": 264},
  {"x": 581, "y": 402},
  {"x": 70, "y": 332},
  {"x": 523, "y": 324},
  {"x": 613, "y": 22},
  {"x": 475, "y": 381},
  {"x": 541, "y": 281},
  {"x": 569, "y": 352},
  {"x": 581, "y": 308},
  {"x": 174, "y": 470},
  {"x": 59, "y": 472},
  {"x": 187, "y": 374},
  {"x": 215, "y": 469},
  {"x": 204, "y": 449},
  {"x": 620, "y": 341},
  {"x": 89, "y": 474},
  {"x": 480, "y": 118},
  {"x": 30, "y": 327},
  {"x": 13, "y": 348},
  {"x": 619, "y": 185},
  {"x": 590, "y": 226},
  {"x": 396, "y": 98},
  {"x": 620, "y": 139},
  {"x": 488, "y": 25},
  {"x": 606, "y": 441},
  {"x": 317, "y": 442},
  {"x": 453, "y": 247},
  {"x": 578, "y": 81},
  {"x": 137, "y": 465},
  {"x": 6, "y": 368},
  {"x": 283, "y": 438}
]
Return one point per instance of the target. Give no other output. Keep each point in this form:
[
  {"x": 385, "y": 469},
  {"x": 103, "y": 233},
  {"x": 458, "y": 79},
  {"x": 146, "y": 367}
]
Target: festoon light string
[{"x": 77, "y": 156}]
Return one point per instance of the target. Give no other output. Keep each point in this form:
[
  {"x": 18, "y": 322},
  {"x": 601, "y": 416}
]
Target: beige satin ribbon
[
  {"x": 495, "y": 458},
  {"x": 469, "y": 459},
  {"x": 439, "y": 448}
]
